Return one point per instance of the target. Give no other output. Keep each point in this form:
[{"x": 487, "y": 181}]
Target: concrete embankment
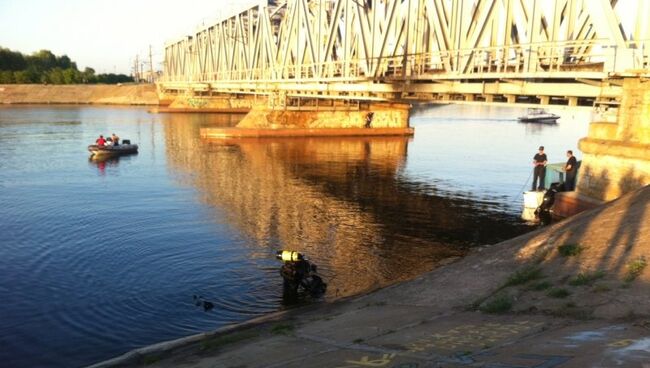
[
  {"x": 126, "y": 94},
  {"x": 575, "y": 294}
]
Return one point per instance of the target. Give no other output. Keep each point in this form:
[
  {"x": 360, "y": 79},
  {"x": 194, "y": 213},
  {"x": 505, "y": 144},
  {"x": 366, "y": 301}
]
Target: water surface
[{"x": 100, "y": 257}]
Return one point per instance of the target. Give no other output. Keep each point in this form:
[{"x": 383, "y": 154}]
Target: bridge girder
[{"x": 308, "y": 43}]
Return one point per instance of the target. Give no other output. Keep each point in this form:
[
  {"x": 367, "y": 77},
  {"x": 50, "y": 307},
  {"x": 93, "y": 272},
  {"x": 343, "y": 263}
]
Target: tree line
[{"x": 45, "y": 67}]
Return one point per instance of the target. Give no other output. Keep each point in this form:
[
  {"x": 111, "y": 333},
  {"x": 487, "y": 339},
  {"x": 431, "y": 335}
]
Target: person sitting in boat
[
  {"x": 100, "y": 141},
  {"x": 116, "y": 139}
]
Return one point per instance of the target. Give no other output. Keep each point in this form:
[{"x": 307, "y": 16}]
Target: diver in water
[{"x": 298, "y": 272}]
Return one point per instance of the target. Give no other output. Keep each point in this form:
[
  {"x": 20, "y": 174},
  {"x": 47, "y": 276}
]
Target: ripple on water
[{"x": 99, "y": 258}]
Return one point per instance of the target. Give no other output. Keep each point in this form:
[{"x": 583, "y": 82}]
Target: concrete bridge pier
[
  {"x": 314, "y": 117},
  {"x": 616, "y": 155}
]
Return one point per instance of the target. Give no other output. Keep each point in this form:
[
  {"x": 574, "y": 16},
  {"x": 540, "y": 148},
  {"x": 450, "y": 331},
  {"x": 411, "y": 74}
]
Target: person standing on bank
[
  {"x": 570, "y": 169},
  {"x": 539, "y": 162}
]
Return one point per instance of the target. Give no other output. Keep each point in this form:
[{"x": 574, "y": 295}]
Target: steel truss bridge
[{"x": 538, "y": 51}]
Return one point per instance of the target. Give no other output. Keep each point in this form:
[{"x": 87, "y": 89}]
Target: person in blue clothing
[{"x": 539, "y": 171}]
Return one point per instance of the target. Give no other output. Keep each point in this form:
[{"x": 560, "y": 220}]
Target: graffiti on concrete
[
  {"x": 366, "y": 361},
  {"x": 197, "y": 102},
  {"x": 468, "y": 337}
]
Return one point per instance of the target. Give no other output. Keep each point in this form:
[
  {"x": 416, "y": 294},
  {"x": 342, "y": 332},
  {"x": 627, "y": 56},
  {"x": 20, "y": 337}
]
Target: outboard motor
[
  {"x": 298, "y": 272},
  {"x": 543, "y": 212}
]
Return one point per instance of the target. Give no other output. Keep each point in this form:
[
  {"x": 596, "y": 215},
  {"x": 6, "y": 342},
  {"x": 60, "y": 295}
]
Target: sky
[{"x": 105, "y": 35}]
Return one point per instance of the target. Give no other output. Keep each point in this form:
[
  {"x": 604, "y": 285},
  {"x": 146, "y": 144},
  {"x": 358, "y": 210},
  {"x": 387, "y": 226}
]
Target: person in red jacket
[{"x": 101, "y": 141}]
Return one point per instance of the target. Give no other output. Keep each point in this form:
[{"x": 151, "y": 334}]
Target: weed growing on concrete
[
  {"x": 542, "y": 285},
  {"x": 635, "y": 268},
  {"x": 540, "y": 255},
  {"x": 282, "y": 329},
  {"x": 219, "y": 341},
  {"x": 601, "y": 288},
  {"x": 558, "y": 293},
  {"x": 572, "y": 311},
  {"x": 499, "y": 304},
  {"x": 150, "y": 359},
  {"x": 357, "y": 341},
  {"x": 586, "y": 278},
  {"x": 524, "y": 275},
  {"x": 570, "y": 250}
]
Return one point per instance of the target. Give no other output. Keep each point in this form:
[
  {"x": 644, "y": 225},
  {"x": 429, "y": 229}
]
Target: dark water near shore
[{"x": 97, "y": 258}]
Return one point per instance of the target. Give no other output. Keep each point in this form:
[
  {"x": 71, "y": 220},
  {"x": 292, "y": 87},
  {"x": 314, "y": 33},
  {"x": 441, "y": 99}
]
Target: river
[{"x": 101, "y": 257}]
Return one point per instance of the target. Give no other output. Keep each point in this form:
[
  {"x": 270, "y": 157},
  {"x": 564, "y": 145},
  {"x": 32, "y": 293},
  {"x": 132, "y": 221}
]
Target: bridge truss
[{"x": 539, "y": 51}]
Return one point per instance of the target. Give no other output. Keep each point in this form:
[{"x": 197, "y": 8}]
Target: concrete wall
[
  {"x": 213, "y": 103},
  {"x": 616, "y": 156},
  {"x": 127, "y": 94}
]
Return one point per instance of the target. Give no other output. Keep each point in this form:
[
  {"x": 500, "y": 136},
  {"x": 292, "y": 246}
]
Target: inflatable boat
[{"x": 122, "y": 149}]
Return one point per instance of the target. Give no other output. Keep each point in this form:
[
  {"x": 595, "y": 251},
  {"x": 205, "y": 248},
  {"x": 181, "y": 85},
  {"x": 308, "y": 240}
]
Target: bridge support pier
[
  {"x": 616, "y": 156},
  {"x": 335, "y": 119},
  {"x": 544, "y": 100}
]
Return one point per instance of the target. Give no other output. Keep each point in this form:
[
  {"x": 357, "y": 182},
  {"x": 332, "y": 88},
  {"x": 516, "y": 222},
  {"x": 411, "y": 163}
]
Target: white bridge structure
[{"x": 571, "y": 52}]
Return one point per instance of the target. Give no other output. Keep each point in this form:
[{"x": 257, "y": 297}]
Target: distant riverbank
[{"x": 102, "y": 94}]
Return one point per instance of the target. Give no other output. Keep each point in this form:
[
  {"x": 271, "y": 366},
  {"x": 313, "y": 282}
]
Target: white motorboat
[{"x": 538, "y": 115}]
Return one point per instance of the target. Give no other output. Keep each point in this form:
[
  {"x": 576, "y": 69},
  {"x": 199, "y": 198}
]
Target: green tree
[
  {"x": 42, "y": 60},
  {"x": 26, "y": 76},
  {"x": 45, "y": 67},
  {"x": 71, "y": 76},
  {"x": 10, "y": 60},
  {"x": 7, "y": 77},
  {"x": 63, "y": 62},
  {"x": 55, "y": 76},
  {"x": 88, "y": 76}
]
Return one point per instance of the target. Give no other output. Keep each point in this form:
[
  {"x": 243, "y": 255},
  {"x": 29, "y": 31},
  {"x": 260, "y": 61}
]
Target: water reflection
[
  {"x": 83, "y": 243},
  {"x": 342, "y": 201},
  {"x": 111, "y": 161}
]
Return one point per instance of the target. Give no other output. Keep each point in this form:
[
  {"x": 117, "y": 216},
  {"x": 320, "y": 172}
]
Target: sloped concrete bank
[
  {"x": 101, "y": 94},
  {"x": 574, "y": 294}
]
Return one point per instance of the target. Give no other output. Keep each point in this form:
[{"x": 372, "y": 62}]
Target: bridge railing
[{"x": 568, "y": 59}]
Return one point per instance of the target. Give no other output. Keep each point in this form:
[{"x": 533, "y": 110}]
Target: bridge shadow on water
[{"x": 345, "y": 202}]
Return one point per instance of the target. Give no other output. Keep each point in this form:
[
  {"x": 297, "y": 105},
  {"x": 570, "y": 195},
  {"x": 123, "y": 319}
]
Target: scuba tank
[{"x": 289, "y": 256}]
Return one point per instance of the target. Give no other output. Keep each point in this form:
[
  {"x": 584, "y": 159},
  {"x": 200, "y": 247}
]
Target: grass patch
[
  {"x": 569, "y": 250},
  {"x": 523, "y": 276},
  {"x": 572, "y": 311},
  {"x": 231, "y": 338},
  {"x": 541, "y": 254},
  {"x": 635, "y": 268},
  {"x": 542, "y": 285},
  {"x": 282, "y": 329},
  {"x": 601, "y": 288},
  {"x": 558, "y": 293},
  {"x": 586, "y": 278},
  {"x": 500, "y": 304},
  {"x": 151, "y": 359}
]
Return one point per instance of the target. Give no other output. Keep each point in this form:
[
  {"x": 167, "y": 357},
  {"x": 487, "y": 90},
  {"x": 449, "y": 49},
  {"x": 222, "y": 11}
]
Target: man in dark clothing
[
  {"x": 570, "y": 169},
  {"x": 539, "y": 161}
]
